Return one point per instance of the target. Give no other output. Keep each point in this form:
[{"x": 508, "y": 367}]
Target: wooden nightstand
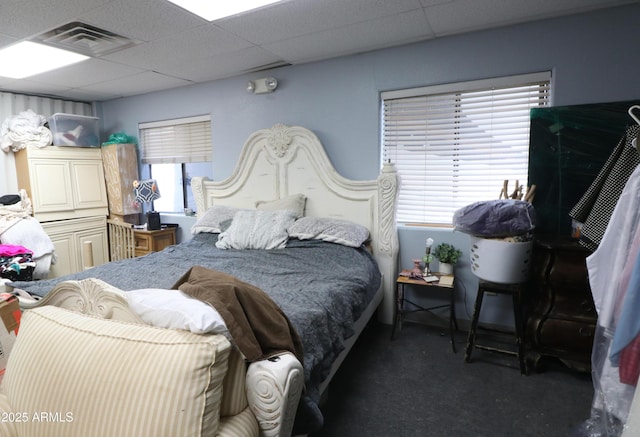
[
  {"x": 153, "y": 241},
  {"x": 445, "y": 284}
]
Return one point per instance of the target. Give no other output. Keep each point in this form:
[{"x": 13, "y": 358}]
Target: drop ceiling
[{"x": 167, "y": 47}]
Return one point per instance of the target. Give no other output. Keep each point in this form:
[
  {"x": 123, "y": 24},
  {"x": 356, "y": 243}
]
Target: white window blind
[
  {"x": 455, "y": 144},
  {"x": 176, "y": 141}
]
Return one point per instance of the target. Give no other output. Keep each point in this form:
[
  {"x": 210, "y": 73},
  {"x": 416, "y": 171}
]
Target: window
[
  {"x": 455, "y": 144},
  {"x": 176, "y": 150}
]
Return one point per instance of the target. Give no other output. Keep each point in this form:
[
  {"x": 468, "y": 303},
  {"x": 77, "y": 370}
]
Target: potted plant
[{"x": 448, "y": 256}]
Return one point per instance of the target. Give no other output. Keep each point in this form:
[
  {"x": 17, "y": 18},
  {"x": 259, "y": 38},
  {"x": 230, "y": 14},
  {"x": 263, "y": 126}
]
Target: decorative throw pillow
[
  {"x": 329, "y": 229},
  {"x": 295, "y": 202},
  {"x": 211, "y": 221},
  {"x": 173, "y": 309},
  {"x": 254, "y": 229}
]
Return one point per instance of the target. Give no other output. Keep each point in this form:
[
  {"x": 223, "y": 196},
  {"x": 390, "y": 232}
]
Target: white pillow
[
  {"x": 254, "y": 229},
  {"x": 295, "y": 202},
  {"x": 329, "y": 229},
  {"x": 173, "y": 309},
  {"x": 211, "y": 221}
]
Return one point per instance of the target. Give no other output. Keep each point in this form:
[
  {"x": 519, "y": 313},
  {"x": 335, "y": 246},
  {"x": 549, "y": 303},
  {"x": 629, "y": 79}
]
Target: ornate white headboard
[{"x": 284, "y": 160}]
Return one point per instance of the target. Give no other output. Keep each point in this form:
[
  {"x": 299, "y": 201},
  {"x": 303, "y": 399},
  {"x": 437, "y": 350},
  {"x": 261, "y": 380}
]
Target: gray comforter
[{"x": 322, "y": 287}]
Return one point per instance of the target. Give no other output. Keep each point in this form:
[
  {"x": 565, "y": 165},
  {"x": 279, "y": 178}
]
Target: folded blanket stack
[
  {"x": 16, "y": 263},
  {"x": 23, "y": 130},
  {"x": 19, "y": 228}
]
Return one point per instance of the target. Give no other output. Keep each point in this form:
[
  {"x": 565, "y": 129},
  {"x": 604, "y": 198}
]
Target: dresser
[
  {"x": 562, "y": 318},
  {"x": 67, "y": 189}
]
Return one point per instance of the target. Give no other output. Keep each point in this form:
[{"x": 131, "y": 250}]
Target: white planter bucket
[{"x": 501, "y": 261}]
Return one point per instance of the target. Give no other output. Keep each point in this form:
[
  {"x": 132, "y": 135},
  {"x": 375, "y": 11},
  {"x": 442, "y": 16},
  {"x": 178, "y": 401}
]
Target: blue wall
[{"x": 592, "y": 56}]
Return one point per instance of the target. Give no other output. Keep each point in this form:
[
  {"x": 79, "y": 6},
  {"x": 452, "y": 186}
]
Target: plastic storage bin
[
  {"x": 500, "y": 261},
  {"x": 74, "y": 130}
]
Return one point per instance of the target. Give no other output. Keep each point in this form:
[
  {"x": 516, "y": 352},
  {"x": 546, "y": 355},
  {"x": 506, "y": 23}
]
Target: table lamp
[{"x": 146, "y": 191}]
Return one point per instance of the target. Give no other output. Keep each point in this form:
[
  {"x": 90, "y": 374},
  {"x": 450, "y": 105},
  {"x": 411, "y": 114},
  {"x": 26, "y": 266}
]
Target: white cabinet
[
  {"x": 63, "y": 182},
  {"x": 69, "y": 238},
  {"x": 67, "y": 189},
  {"x": 43, "y": 176}
]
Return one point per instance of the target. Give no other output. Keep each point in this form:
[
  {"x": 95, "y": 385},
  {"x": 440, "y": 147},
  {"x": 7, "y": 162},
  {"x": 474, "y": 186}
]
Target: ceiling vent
[
  {"x": 85, "y": 39},
  {"x": 270, "y": 66}
]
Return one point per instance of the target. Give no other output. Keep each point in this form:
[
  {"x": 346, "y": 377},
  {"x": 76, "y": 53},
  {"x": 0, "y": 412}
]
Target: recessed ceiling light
[
  {"x": 214, "y": 10},
  {"x": 27, "y": 58}
]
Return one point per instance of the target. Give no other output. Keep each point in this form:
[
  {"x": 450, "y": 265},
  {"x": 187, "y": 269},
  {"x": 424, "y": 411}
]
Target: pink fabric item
[
  {"x": 11, "y": 250},
  {"x": 630, "y": 363}
]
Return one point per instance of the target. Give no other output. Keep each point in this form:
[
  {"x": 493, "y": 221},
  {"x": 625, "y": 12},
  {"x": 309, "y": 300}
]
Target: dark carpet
[{"x": 416, "y": 386}]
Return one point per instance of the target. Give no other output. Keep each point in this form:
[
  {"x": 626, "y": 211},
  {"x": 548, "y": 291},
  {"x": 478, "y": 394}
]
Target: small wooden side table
[
  {"x": 153, "y": 241},
  {"x": 403, "y": 280}
]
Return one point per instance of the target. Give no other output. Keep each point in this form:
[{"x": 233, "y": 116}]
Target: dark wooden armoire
[{"x": 568, "y": 147}]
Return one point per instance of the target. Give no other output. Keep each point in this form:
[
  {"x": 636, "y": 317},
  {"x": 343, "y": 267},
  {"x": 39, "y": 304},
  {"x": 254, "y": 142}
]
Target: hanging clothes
[
  {"x": 625, "y": 346},
  {"x": 627, "y": 323},
  {"x": 607, "y": 264},
  {"x": 610, "y": 269},
  {"x": 595, "y": 207}
]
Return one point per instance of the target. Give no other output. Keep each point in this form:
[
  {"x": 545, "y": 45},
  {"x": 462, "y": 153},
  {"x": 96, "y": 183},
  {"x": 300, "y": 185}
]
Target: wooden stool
[{"x": 515, "y": 290}]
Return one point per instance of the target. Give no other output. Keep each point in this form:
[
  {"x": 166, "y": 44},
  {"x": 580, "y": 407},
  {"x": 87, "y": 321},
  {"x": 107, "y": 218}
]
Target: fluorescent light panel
[
  {"x": 27, "y": 58},
  {"x": 215, "y": 9}
]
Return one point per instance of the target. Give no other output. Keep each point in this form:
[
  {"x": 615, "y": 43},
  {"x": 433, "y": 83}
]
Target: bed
[{"x": 328, "y": 286}]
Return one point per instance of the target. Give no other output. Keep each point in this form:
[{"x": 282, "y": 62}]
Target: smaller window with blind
[
  {"x": 455, "y": 144},
  {"x": 176, "y": 150}
]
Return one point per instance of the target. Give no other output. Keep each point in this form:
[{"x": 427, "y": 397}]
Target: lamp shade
[{"x": 146, "y": 190}]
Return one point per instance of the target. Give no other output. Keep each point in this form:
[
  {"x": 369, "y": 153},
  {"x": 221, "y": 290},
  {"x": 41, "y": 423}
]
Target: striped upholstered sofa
[{"x": 76, "y": 374}]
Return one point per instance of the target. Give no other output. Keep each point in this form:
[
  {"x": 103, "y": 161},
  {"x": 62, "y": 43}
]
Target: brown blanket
[{"x": 258, "y": 326}]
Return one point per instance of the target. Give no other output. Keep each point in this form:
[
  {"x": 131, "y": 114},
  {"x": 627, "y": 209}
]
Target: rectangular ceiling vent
[
  {"x": 270, "y": 66},
  {"x": 85, "y": 39}
]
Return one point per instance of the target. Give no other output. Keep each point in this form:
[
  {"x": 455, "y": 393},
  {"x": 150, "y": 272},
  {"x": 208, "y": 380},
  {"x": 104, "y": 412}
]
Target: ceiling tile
[
  {"x": 468, "y": 15},
  {"x": 186, "y": 46},
  {"x": 87, "y": 72},
  {"x": 302, "y": 17},
  {"x": 361, "y": 37},
  {"x": 6, "y": 40},
  {"x": 31, "y": 87},
  {"x": 144, "y": 20},
  {"x": 137, "y": 84},
  {"x": 223, "y": 65},
  {"x": 426, "y": 3},
  {"x": 83, "y": 95}
]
